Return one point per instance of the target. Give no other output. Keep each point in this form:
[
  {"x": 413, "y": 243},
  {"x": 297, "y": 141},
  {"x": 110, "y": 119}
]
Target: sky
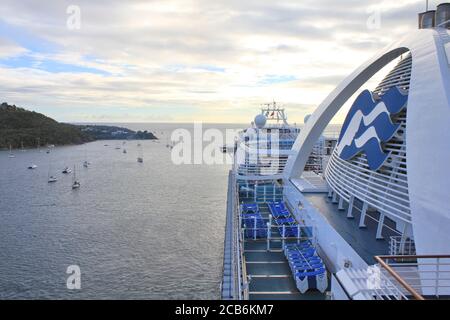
[{"x": 188, "y": 60}]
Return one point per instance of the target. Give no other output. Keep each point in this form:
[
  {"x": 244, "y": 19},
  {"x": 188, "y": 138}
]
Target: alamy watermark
[
  {"x": 252, "y": 148},
  {"x": 374, "y": 20},
  {"x": 73, "y": 21},
  {"x": 74, "y": 279}
]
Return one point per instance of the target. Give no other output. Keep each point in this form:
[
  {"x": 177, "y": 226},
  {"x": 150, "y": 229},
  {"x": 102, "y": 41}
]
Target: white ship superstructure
[
  {"x": 263, "y": 149},
  {"x": 366, "y": 215}
]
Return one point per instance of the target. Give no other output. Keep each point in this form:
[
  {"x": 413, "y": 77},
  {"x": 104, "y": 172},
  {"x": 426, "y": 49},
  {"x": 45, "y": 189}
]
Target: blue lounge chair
[{"x": 316, "y": 279}]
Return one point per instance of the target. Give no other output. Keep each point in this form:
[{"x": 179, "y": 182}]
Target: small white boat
[
  {"x": 67, "y": 170},
  {"x": 11, "y": 154},
  {"x": 86, "y": 164},
  {"x": 33, "y": 166},
  {"x": 75, "y": 183},
  {"x": 52, "y": 179},
  {"x": 140, "y": 157}
]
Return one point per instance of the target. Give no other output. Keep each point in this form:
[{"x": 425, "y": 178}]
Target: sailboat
[
  {"x": 66, "y": 170},
  {"x": 75, "y": 183},
  {"x": 21, "y": 146},
  {"x": 140, "y": 157},
  {"x": 85, "y": 163},
  {"x": 51, "y": 178},
  {"x": 11, "y": 154},
  {"x": 124, "y": 150}
]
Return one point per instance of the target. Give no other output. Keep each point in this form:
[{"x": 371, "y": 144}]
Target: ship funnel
[
  {"x": 443, "y": 15},
  {"x": 439, "y": 18},
  {"x": 427, "y": 19}
]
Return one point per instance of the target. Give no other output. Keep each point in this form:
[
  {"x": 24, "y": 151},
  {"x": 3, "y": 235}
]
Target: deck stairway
[{"x": 268, "y": 269}]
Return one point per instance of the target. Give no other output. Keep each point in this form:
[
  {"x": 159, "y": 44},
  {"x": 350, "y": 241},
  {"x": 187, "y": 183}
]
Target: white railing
[
  {"x": 399, "y": 245},
  {"x": 241, "y": 272},
  {"x": 418, "y": 276},
  {"x": 387, "y": 193}
]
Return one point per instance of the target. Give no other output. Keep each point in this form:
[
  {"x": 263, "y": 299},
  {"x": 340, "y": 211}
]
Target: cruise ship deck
[
  {"x": 363, "y": 240},
  {"x": 270, "y": 277}
]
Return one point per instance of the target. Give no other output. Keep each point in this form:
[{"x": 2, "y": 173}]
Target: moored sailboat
[
  {"x": 140, "y": 157},
  {"x": 75, "y": 183},
  {"x": 11, "y": 154},
  {"x": 51, "y": 178},
  {"x": 66, "y": 170}
]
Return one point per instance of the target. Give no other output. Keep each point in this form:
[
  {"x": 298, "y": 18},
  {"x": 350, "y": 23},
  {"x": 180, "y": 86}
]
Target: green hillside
[{"x": 18, "y": 125}]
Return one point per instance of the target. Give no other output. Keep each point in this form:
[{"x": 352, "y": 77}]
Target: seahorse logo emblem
[{"x": 368, "y": 124}]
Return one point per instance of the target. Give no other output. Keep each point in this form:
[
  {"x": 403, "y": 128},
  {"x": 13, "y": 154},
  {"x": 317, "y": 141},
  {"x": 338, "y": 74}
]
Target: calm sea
[{"x": 150, "y": 231}]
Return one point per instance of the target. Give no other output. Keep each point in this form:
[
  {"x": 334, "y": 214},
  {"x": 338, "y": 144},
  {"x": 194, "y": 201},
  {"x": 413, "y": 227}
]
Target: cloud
[
  {"x": 9, "y": 49},
  {"x": 185, "y": 60}
]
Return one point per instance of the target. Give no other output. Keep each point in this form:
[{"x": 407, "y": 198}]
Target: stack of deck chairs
[
  {"x": 306, "y": 266},
  {"x": 282, "y": 217},
  {"x": 253, "y": 222}
]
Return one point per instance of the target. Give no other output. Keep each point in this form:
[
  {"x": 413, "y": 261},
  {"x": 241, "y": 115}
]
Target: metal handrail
[
  {"x": 242, "y": 271},
  {"x": 400, "y": 279}
]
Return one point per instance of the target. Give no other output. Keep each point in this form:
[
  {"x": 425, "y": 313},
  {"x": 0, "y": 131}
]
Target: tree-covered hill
[{"x": 18, "y": 126}]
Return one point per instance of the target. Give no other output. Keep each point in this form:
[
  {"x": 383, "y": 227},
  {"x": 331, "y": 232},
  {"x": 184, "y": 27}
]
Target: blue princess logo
[{"x": 368, "y": 124}]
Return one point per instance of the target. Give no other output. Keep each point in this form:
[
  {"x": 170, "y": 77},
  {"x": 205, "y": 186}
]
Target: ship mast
[{"x": 272, "y": 112}]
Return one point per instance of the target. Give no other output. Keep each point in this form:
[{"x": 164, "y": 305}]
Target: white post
[
  {"x": 380, "y": 226},
  {"x": 283, "y": 236},
  {"x": 334, "y": 199},
  {"x": 363, "y": 215},
  {"x": 350, "y": 207},
  {"x": 403, "y": 240},
  {"x": 298, "y": 234},
  {"x": 330, "y": 193},
  {"x": 341, "y": 203},
  {"x": 268, "y": 236},
  {"x": 254, "y": 228}
]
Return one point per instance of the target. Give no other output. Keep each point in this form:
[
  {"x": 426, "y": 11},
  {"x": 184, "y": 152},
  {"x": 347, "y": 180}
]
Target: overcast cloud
[{"x": 187, "y": 60}]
